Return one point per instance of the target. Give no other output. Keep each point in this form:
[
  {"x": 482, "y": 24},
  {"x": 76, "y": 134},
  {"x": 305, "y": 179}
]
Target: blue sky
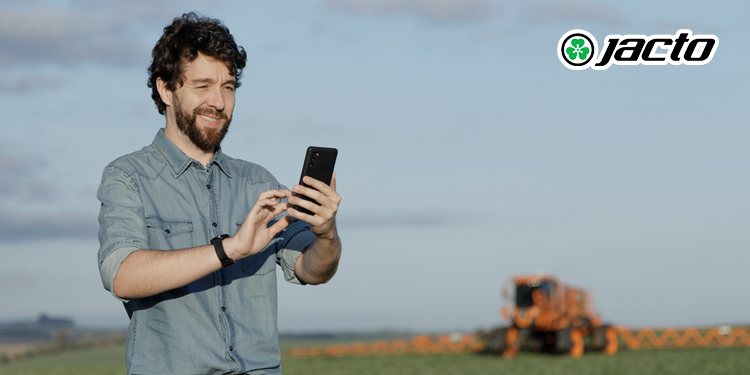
[{"x": 467, "y": 153}]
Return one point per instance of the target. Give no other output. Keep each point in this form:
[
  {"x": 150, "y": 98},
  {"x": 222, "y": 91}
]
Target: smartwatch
[{"x": 219, "y": 247}]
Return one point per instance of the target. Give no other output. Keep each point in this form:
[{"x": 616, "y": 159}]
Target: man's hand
[
  {"x": 148, "y": 272},
  {"x": 254, "y": 234},
  {"x": 320, "y": 261},
  {"x": 323, "y": 223}
]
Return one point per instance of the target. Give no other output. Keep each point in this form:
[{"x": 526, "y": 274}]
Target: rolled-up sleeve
[
  {"x": 122, "y": 228},
  {"x": 291, "y": 243}
]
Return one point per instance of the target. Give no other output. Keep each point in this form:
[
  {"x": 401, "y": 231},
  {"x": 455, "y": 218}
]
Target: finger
[
  {"x": 326, "y": 190},
  {"x": 304, "y": 203},
  {"x": 278, "y": 226},
  {"x": 266, "y": 202},
  {"x": 271, "y": 206},
  {"x": 320, "y": 196},
  {"x": 271, "y": 197},
  {"x": 312, "y": 219},
  {"x": 276, "y": 209},
  {"x": 317, "y": 184},
  {"x": 272, "y": 194},
  {"x": 325, "y": 206},
  {"x": 306, "y": 191},
  {"x": 265, "y": 210}
]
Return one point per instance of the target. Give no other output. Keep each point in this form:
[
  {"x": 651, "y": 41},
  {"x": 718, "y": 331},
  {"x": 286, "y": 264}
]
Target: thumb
[{"x": 279, "y": 226}]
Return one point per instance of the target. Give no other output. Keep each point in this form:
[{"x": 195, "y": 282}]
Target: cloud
[
  {"x": 26, "y": 185},
  {"x": 414, "y": 218},
  {"x": 31, "y": 190},
  {"x": 102, "y": 32},
  {"x": 19, "y": 226},
  {"x": 18, "y": 165},
  {"x": 431, "y": 10},
  {"x": 63, "y": 36},
  {"x": 575, "y": 10},
  {"x": 15, "y": 281},
  {"x": 29, "y": 83}
]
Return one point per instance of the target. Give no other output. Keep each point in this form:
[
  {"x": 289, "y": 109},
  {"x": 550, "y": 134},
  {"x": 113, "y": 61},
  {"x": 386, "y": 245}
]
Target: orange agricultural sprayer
[
  {"x": 549, "y": 316},
  {"x": 545, "y": 314}
]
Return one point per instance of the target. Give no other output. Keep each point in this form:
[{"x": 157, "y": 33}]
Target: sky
[{"x": 468, "y": 153}]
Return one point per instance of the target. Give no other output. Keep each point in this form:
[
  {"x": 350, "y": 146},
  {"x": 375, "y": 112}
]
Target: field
[{"x": 716, "y": 361}]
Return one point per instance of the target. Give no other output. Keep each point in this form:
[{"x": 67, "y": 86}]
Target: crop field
[{"x": 714, "y": 361}]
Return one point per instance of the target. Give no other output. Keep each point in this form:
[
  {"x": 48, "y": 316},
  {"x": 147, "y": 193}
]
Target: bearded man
[{"x": 190, "y": 237}]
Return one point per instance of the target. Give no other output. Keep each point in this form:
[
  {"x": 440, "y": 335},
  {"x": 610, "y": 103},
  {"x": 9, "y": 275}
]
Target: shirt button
[
  {"x": 215, "y": 225},
  {"x": 231, "y": 348},
  {"x": 223, "y": 308},
  {"x": 208, "y": 187},
  {"x": 166, "y": 231}
]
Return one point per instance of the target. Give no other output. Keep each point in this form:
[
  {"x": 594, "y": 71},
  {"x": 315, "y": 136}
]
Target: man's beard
[{"x": 207, "y": 140}]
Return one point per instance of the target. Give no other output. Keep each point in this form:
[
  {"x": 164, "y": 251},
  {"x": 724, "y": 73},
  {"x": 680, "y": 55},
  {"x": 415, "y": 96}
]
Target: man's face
[{"x": 203, "y": 105}]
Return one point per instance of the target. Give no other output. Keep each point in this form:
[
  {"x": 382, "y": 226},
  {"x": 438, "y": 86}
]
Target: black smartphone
[{"x": 319, "y": 163}]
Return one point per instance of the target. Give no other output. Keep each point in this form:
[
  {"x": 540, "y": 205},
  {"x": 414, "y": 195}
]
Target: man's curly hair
[{"x": 182, "y": 41}]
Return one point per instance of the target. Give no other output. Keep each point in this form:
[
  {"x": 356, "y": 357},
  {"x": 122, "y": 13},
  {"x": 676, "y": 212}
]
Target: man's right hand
[
  {"x": 148, "y": 272},
  {"x": 255, "y": 234}
]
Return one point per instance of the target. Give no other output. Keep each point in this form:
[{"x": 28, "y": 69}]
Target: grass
[
  {"x": 110, "y": 360},
  {"x": 644, "y": 362},
  {"x": 711, "y": 361}
]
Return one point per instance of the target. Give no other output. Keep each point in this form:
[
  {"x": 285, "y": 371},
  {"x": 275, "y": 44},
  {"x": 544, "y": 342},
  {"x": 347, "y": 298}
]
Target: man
[{"x": 190, "y": 237}]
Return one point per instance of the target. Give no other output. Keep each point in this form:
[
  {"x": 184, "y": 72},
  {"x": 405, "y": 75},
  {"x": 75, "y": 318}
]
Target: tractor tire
[
  {"x": 599, "y": 338},
  {"x": 576, "y": 337},
  {"x": 496, "y": 343},
  {"x": 613, "y": 341},
  {"x": 563, "y": 344}
]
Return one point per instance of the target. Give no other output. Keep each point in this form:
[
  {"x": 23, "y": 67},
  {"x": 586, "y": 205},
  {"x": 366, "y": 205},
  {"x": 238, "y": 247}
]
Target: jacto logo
[{"x": 578, "y": 50}]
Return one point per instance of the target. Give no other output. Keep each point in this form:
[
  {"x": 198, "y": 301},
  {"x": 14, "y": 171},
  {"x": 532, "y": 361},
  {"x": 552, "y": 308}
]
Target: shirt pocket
[
  {"x": 259, "y": 264},
  {"x": 169, "y": 234}
]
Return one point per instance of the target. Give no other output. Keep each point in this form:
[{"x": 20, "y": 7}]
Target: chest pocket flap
[{"x": 169, "y": 234}]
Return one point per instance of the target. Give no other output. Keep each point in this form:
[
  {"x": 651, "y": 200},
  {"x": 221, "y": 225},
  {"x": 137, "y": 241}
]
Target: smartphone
[{"x": 319, "y": 163}]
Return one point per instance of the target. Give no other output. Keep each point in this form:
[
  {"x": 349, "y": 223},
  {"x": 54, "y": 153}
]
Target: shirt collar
[{"x": 176, "y": 159}]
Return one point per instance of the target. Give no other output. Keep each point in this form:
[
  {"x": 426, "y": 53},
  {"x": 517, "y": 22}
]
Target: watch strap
[{"x": 219, "y": 247}]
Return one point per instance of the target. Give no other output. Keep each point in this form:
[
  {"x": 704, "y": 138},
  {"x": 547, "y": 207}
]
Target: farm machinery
[
  {"x": 544, "y": 314},
  {"x": 547, "y": 315}
]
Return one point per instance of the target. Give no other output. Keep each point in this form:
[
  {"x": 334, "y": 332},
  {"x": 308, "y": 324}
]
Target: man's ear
[{"x": 164, "y": 92}]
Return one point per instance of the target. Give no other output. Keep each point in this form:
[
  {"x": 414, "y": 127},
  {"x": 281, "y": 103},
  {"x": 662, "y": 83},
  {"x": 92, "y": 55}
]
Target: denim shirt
[{"x": 224, "y": 323}]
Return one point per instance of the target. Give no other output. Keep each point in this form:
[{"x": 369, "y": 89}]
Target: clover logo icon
[{"x": 577, "y": 50}]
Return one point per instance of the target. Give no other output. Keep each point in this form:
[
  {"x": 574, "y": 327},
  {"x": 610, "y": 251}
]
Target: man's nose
[{"x": 216, "y": 99}]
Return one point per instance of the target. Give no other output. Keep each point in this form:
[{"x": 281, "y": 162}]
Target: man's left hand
[{"x": 323, "y": 222}]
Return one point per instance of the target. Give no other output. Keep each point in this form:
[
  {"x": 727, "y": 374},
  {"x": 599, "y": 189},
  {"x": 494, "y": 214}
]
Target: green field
[{"x": 643, "y": 362}]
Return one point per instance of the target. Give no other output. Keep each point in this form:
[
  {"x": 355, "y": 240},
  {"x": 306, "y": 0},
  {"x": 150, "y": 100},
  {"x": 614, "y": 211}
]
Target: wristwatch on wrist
[{"x": 219, "y": 247}]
